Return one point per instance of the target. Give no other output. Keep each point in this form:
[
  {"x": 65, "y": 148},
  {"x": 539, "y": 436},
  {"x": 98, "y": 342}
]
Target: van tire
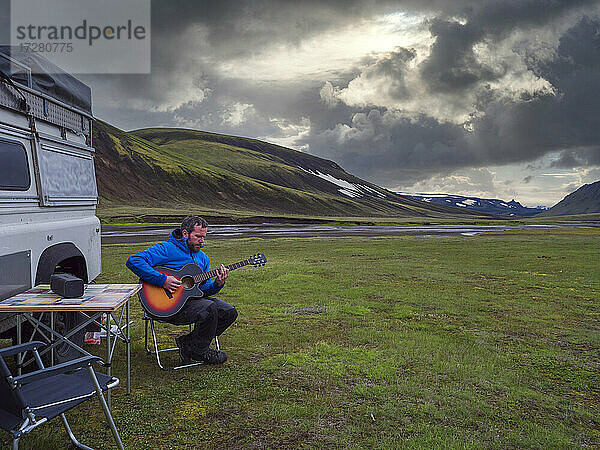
[
  {"x": 63, "y": 323},
  {"x": 65, "y": 258}
]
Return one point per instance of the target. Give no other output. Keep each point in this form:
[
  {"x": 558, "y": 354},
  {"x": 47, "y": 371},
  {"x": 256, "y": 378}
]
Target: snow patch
[
  {"x": 371, "y": 190},
  {"x": 470, "y": 202},
  {"x": 346, "y": 188},
  {"x": 349, "y": 193}
]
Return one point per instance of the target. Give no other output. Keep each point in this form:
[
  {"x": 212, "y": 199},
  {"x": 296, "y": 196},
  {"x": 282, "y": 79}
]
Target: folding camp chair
[
  {"x": 32, "y": 399},
  {"x": 150, "y": 322}
]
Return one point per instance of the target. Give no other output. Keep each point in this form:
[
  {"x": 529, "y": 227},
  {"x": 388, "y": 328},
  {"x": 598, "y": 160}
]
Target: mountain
[
  {"x": 483, "y": 205},
  {"x": 167, "y": 168},
  {"x": 585, "y": 200}
]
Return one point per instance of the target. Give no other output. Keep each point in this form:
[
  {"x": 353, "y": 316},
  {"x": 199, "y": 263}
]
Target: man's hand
[
  {"x": 171, "y": 283},
  {"x": 222, "y": 275}
]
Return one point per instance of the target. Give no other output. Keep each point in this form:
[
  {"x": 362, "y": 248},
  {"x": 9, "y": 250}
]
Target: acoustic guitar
[{"x": 161, "y": 303}]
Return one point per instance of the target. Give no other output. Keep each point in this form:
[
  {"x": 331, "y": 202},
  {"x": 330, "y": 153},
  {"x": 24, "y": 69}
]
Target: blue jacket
[{"x": 173, "y": 254}]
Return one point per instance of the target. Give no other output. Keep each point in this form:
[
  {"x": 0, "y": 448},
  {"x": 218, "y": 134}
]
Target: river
[{"x": 114, "y": 234}]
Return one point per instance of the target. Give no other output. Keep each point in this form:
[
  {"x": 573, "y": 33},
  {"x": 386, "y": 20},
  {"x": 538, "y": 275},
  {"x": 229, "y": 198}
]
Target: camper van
[{"x": 48, "y": 192}]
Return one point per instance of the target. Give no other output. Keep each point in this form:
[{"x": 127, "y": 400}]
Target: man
[{"x": 209, "y": 315}]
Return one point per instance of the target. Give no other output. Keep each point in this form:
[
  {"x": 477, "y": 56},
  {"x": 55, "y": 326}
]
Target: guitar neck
[{"x": 202, "y": 277}]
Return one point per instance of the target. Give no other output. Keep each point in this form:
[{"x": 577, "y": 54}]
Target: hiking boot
[
  {"x": 184, "y": 353},
  {"x": 213, "y": 356}
]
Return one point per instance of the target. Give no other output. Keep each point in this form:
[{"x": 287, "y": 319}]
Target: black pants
[{"x": 210, "y": 317}]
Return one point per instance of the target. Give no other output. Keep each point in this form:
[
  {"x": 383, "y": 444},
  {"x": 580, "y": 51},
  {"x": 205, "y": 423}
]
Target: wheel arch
[{"x": 64, "y": 255}]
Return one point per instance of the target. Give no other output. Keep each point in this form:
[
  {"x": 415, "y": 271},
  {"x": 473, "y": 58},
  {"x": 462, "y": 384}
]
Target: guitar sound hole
[{"x": 187, "y": 282}]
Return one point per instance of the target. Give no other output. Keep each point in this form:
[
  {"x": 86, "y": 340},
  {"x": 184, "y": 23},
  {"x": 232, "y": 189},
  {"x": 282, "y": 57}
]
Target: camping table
[{"x": 97, "y": 299}]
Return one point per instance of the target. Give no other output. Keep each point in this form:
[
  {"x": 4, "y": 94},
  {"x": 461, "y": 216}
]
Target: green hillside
[
  {"x": 179, "y": 169},
  {"x": 585, "y": 200}
]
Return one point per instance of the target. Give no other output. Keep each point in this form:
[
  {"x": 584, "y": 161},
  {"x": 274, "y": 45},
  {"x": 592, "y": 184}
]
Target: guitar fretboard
[{"x": 202, "y": 277}]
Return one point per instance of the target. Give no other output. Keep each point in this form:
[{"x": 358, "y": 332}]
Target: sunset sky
[{"x": 490, "y": 98}]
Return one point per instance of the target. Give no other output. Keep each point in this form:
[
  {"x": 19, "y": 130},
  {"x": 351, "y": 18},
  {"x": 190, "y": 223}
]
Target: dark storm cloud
[
  {"x": 393, "y": 68},
  {"x": 497, "y": 17},
  {"x": 504, "y": 131},
  {"x": 453, "y": 65},
  {"x": 566, "y": 160},
  {"x": 241, "y": 27},
  {"x": 569, "y": 159},
  {"x": 566, "y": 121},
  {"x": 387, "y": 147}
]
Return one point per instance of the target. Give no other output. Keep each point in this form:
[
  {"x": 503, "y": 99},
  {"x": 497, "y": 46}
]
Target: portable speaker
[{"x": 66, "y": 285}]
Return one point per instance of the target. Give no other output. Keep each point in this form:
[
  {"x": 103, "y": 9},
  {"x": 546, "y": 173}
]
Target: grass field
[{"x": 395, "y": 342}]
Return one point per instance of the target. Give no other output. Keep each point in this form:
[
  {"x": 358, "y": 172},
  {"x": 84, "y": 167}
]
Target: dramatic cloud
[
  {"x": 564, "y": 120},
  {"x": 477, "y": 96},
  {"x": 382, "y": 83},
  {"x": 494, "y": 99},
  {"x": 389, "y": 146}
]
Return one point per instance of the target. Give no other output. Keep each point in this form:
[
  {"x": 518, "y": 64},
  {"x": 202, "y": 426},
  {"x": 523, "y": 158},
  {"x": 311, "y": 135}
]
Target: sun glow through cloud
[{"x": 327, "y": 55}]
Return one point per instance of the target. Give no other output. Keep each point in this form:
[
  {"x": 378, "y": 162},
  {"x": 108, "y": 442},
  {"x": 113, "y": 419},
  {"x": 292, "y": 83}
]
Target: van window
[{"x": 14, "y": 171}]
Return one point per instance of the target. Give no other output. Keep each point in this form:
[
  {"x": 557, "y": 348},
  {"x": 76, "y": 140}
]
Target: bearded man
[{"x": 210, "y": 316}]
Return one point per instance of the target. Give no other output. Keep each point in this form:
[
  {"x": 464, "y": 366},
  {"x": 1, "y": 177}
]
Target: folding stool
[{"x": 150, "y": 321}]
